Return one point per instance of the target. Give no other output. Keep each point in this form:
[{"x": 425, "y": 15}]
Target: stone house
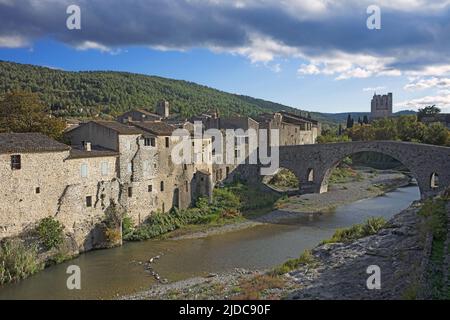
[
  {"x": 42, "y": 177},
  {"x": 148, "y": 178}
]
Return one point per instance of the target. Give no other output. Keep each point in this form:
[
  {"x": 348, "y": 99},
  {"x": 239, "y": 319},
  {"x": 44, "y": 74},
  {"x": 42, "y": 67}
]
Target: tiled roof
[
  {"x": 118, "y": 127},
  {"x": 29, "y": 142},
  {"x": 78, "y": 152},
  {"x": 156, "y": 127}
]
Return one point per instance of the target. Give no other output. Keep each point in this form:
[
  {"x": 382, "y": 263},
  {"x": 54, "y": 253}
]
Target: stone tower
[
  {"x": 381, "y": 106},
  {"x": 162, "y": 109}
]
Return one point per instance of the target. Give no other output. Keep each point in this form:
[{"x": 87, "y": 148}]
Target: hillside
[{"x": 103, "y": 93}]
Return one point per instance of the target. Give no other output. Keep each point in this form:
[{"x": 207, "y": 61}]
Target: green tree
[
  {"x": 427, "y": 111},
  {"x": 22, "y": 111},
  {"x": 385, "y": 129},
  {"x": 409, "y": 129},
  {"x": 437, "y": 134},
  {"x": 349, "y": 121},
  {"x": 362, "y": 133}
]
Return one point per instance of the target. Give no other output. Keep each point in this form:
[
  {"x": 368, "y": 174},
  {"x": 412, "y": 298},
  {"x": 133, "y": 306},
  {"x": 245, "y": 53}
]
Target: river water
[{"x": 109, "y": 273}]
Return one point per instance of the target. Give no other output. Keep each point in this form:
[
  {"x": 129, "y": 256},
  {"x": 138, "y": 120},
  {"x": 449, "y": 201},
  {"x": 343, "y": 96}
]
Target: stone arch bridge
[{"x": 312, "y": 164}]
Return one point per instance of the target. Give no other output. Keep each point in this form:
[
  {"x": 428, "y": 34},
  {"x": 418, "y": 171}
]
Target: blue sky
[{"x": 312, "y": 54}]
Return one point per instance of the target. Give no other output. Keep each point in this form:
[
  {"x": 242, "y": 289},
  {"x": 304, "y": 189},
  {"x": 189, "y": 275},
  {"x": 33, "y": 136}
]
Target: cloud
[
  {"x": 427, "y": 83},
  {"x": 441, "y": 100},
  {"x": 326, "y": 34},
  {"x": 13, "y": 42}
]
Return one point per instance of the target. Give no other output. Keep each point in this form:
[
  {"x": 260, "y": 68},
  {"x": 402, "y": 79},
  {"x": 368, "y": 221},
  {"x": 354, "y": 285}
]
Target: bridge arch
[{"x": 422, "y": 160}]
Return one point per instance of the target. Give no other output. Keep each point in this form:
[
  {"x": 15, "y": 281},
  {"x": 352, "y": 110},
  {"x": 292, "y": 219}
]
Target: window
[
  {"x": 185, "y": 166},
  {"x": 162, "y": 185},
  {"x": 88, "y": 201},
  {"x": 130, "y": 192},
  {"x": 104, "y": 168},
  {"x": 228, "y": 171},
  {"x": 16, "y": 162},
  {"x": 150, "y": 188},
  {"x": 167, "y": 142},
  {"x": 84, "y": 170},
  {"x": 186, "y": 186},
  {"x": 149, "y": 142},
  {"x": 38, "y": 190},
  {"x": 310, "y": 175},
  {"x": 434, "y": 181}
]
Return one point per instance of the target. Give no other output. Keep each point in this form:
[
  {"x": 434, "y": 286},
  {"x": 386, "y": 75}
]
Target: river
[{"x": 106, "y": 274}]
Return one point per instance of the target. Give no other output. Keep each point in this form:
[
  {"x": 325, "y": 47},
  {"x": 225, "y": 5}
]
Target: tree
[
  {"x": 385, "y": 129},
  {"x": 366, "y": 120},
  {"x": 22, "y": 111},
  {"x": 437, "y": 134},
  {"x": 340, "y": 129},
  {"x": 349, "y": 121},
  {"x": 428, "y": 111},
  {"x": 409, "y": 129},
  {"x": 362, "y": 133}
]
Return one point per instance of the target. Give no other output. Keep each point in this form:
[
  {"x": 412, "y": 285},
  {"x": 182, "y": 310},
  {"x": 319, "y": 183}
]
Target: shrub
[
  {"x": 436, "y": 215},
  {"x": 127, "y": 226},
  {"x": 357, "y": 231},
  {"x": 50, "y": 233},
  {"x": 305, "y": 259},
  {"x": 17, "y": 261}
]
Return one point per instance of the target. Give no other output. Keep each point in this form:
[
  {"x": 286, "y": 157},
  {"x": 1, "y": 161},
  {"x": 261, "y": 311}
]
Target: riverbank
[
  {"x": 371, "y": 183},
  {"x": 402, "y": 251}
]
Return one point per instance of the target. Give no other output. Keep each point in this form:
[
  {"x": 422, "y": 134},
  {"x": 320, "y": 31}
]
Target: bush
[
  {"x": 50, "y": 233},
  {"x": 17, "y": 261},
  {"x": 436, "y": 215},
  {"x": 306, "y": 259},
  {"x": 127, "y": 226},
  {"x": 357, "y": 231}
]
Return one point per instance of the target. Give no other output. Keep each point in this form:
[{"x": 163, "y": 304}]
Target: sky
[{"x": 316, "y": 55}]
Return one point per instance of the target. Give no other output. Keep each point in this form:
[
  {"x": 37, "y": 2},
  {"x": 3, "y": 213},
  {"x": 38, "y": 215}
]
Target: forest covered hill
[{"x": 107, "y": 93}]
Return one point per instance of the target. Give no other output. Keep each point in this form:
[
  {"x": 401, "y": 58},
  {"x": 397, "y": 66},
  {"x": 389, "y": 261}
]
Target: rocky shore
[{"x": 336, "y": 271}]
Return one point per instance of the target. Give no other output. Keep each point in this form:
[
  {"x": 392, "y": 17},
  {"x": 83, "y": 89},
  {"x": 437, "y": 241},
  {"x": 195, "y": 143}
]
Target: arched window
[
  {"x": 434, "y": 180},
  {"x": 310, "y": 175}
]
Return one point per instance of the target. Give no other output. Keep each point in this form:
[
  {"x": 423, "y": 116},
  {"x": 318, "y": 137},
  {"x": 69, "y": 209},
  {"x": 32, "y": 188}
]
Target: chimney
[{"x": 87, "y": 146}]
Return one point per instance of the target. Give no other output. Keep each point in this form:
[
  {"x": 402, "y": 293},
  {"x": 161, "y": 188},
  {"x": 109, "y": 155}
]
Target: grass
[
  {"x": 17, "y": 261},
  {"x": 435, "y": 214},
  {"x": 255, "y": 287},
  {"x": 357, "y": 231},
  {"x": 344, "y": 174},
  {"x": 284, "y": 179},
  {"x": 306, "y": 259}
]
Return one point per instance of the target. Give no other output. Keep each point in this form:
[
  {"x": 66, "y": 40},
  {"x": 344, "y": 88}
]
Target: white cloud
[
  {"x": 442, "y": 101},
  {"x": 427, "y": 83},
  {"x": 345, "y": 66},
  {"x": 13, "y": 42},
  {"x": 92, "y": 45}
]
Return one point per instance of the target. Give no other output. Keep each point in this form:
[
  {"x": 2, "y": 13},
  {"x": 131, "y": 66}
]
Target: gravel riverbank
[{"x": 372, "y": 183}]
